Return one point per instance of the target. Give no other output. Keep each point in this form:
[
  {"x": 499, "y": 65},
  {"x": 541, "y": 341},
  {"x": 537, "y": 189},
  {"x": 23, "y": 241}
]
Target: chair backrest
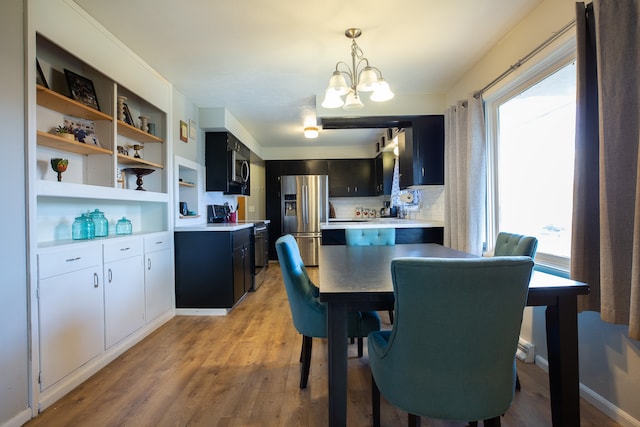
[
  {"x": 370, "y": 236},
  {"x": 509, "y": 244},
  {"x": 455, "y": 335},
  {"x": 308, "y": 313}
]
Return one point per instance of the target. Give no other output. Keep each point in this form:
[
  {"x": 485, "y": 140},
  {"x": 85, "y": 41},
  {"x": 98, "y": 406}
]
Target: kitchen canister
[
  {"x": 83, "y": 228},
  {"x": 123, "y": 226},
  {"x": 101, "y": 223}
]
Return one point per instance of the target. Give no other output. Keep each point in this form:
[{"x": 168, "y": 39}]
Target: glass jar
[
  {"x": 101, "y": 223},
  {"x": 83, "y": 228},
  {"x": 123, "y": 226}
]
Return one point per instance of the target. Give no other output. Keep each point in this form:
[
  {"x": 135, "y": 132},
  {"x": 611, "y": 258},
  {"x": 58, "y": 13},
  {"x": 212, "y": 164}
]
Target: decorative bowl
[{"x": 139, "y": 173}]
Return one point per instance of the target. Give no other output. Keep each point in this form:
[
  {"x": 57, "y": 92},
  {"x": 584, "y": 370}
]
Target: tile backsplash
[{"x": 431, "y": 206}]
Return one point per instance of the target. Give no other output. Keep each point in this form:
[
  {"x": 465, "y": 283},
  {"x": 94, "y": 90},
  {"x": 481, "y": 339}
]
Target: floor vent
[{"x": 526, "y": 351}]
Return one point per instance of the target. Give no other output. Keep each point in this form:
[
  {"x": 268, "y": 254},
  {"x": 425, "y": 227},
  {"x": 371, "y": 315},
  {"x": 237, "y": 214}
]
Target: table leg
[
  {"x": 562, "y": 343},
  {"x": 337, "y": 342}
]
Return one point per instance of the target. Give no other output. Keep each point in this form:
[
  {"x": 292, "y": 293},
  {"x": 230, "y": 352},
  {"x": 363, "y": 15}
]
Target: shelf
[
  {"x": 136, "y": 134},
  {"x": 185, "y": 184},
  {"x": 53, "y": 141},
  {"x": 128, "y": 160},
  {"x": 83, "y": 191},
  {"x": 60, "y": 103}
]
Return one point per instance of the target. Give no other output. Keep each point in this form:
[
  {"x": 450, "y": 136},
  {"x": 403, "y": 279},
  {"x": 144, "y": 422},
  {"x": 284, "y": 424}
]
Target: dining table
[{"x": 358, "y": 278}]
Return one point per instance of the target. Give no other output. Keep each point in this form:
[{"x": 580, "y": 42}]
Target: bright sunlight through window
[{"x": 535, "y": 162}]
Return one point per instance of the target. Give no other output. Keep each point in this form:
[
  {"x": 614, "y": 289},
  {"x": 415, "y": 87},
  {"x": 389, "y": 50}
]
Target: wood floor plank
[{"x": 243, "y": 370}]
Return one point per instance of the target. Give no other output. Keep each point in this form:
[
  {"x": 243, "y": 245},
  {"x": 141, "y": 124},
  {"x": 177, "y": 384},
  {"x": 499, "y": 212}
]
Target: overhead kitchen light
[
  {"x": 362, "y": 78},
  {"x": 311, "y": 132}
]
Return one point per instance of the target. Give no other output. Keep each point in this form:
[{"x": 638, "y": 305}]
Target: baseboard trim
[
  {"x": 20, "y": 419},
  {"x": 606, "y": 407}
]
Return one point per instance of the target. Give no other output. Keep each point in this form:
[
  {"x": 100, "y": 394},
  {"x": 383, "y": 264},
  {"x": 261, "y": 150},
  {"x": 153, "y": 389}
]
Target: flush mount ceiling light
[
  {"x": 362, "y": 77},
  {"x": 311, "y": 132}
]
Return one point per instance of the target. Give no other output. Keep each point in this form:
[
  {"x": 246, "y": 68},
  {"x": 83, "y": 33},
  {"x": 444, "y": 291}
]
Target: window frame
[{"x": 547, "y": 62}]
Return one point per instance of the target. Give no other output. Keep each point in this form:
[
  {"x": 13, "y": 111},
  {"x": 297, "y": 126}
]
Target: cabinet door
[
  {"x": 123, "y": 298},
  {"x": 351, "y": 177},
  {"x": 422, "y": 152},
  {"x": 158, "y": 284},
  {"x": 71, "y": 321},
  {"x": 384, "y": 165}
]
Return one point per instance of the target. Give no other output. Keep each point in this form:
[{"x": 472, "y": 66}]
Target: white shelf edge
[{"x": 83, "y": 191}]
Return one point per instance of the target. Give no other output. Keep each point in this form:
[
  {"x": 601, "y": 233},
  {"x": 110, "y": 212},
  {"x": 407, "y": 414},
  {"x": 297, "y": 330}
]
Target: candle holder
[{"x": 59, "y": 165}]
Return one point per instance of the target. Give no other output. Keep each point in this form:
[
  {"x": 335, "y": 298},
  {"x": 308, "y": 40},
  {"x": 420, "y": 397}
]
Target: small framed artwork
[
  {"x": 81, "y": 89},
  {"x": 128, "y": 118},
  {"x": 184, "y": 131},
  {"x": 389, "y": 134},
  {"x": 120, "y": 178},
  {"x": 377, "y": 147},
  {"x": 40, "y": 76},
  {"x": 383, "y": 141},
  {"x": 193, "y": 132}
]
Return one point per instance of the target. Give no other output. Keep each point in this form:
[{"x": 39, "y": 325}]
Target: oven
[{"x": 261, "y": 256}]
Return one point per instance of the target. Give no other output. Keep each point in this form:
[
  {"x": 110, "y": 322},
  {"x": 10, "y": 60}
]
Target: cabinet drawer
[
  {"x": 122, "y": 248},
  {"x": 66, "y": 260},
  {"x": 157, "y": 241}
]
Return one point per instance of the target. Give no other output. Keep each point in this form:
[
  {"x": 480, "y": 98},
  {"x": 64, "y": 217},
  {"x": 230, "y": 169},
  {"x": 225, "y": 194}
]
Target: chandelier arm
[{"x": 348, "y": 73}]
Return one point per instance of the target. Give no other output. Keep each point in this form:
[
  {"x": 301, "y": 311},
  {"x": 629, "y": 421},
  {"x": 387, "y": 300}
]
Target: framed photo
[
  {"x": 81, "y": 89},
  {"x": 83, "y": 130},
  {"x": 120, "y": 178},
  {"x": 389, "y": 134},
  {"x": 377, "y": 147},
  {"x": 383, "y": 141},
  {"x": 40, "y": 76},
  {"x": 193, "y": 132},
  {"x": 184, "y": 131},
  {"x": 128, "y": 118}
]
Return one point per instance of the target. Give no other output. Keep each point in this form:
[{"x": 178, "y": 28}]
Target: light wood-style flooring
[{"x": 243, "y": 370}]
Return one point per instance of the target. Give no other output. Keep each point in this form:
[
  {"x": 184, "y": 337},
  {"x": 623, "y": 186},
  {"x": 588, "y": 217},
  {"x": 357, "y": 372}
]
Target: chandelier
[{"x": 362, "y": 77}]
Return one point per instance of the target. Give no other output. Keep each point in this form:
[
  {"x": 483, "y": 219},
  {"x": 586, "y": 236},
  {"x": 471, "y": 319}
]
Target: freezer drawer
[{"x": 309, "y": 247}]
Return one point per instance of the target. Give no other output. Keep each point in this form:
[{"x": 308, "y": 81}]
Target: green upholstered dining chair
[
  {"x": 308, "y": 312},
  {"x": 451, "y": 352},
  {"x": 509, "y": 244}
]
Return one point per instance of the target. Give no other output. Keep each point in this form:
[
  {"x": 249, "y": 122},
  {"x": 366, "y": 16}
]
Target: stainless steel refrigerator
[{"x": 305, "y": 204}]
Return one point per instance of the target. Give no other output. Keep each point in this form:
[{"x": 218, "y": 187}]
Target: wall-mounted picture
[
  {"x": 184, "y": 131},
  {"x": 81, "y": 89},
  {"x": 193, "y": 131},
  {"x": 40, "y": 79}
]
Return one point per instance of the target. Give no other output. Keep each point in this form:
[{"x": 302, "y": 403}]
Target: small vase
[{"x": 144, "y": 123}]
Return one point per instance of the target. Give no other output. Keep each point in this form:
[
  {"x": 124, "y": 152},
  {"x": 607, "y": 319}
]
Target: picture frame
[
  {"x": 120, "y": 175},
  {"x": 81, "y": 89},
  {"x": 184, "y": 131},
  {"x": 128, "y": 118},
  {"x": 389, "y": 134},
  {"x": 377, "y": 147},
  {"x": 40, "y": 79},
  {"x": 83, "y": 130},
  {"x": 193, "y": 131},
  {"x": 383, "y": 141}
]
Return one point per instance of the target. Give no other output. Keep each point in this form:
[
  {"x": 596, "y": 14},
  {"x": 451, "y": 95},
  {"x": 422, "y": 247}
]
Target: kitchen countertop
[
  {"x": 339, "y": 223},
  {"x": 221, "y": 226}
]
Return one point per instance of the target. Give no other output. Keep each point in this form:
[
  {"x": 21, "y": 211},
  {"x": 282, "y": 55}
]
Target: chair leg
[
  {"x": 306, "y": 360},
  {"x": 375, "y": 402},
  {"x": 472, "y": 424},
  {"x": 360, "y": 346},
  {"x": 517, "y": 382},
  {"x": 391, "y": 316},
  {"x": 352, "y": 340},
  {"x": 414, "y": 420},
  {"x": 492, "y": 422}
]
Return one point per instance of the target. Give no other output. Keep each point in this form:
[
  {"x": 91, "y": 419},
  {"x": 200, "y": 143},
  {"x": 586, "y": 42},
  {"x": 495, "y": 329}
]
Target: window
[{"x": 531, "y": 141}]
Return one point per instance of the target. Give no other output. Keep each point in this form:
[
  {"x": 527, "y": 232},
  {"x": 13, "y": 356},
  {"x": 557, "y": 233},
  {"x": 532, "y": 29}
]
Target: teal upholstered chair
[
  {"x": 509, "y": 244},
  {"x": 451, "y": 352},
  {"x": 372, "y": 237},
  {"x": 308, "y": 312}
]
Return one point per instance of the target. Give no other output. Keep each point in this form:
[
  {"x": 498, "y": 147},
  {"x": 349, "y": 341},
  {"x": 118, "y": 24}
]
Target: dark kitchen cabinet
[
  {"x": 213, "y": 269},
  {"x": 336, "y": 236},
  {"x": 351, "y": 178},
  {"x": 225, "y": 160},
  {"x": 384, "y": 165},
  {"x": 273, "y": 172},
  {"x": 422, "y": 152}
]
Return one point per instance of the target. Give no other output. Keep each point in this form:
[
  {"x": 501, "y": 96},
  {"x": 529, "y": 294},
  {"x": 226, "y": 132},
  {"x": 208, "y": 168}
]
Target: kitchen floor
[{"x": 243, "y": 370}]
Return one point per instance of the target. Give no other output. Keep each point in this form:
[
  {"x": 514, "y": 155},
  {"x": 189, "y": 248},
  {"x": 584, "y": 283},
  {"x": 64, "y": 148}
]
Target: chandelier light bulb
[
  {"x": 332, "y": 100},
  {"x": 382, "y": 92},
  {"x": 353, "y": 102},
  {"x": 368, "y": 80}
]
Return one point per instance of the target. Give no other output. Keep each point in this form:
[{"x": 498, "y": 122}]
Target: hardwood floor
[{"x": 244, "y": 370}]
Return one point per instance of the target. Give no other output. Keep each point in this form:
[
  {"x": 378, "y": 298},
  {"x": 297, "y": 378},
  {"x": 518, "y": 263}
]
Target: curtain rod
[{"x": 527, "y": 57}]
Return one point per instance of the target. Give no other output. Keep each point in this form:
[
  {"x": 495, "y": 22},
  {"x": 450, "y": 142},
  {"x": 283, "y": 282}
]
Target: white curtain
[{"x": 465, "y": 176}]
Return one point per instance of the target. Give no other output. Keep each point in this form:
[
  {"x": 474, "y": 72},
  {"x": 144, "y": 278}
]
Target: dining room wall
[{"x": 609, "y": 361}]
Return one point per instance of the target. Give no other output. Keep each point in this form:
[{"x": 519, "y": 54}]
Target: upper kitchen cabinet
[
  {"x": 384, "y": 164},
  {"x": 351, "y": 178},
  {"x": 96, "y": 145},
  {"x": 421, "y": 149},
  {"x": 227, "y": 164}
]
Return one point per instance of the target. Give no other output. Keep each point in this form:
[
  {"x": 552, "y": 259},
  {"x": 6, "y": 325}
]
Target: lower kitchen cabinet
[
  {"x": 336, "y": 236},
  {"x": 158, "y": 273},
  {"x": 70, "y": 309},
  {"x": 213, "y": 268},
  {"x": 123, "y": 289}
]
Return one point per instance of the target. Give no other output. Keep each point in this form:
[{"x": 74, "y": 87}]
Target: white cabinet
[
  {"x": 123, "y": 288},
  {"x": 70, "y": 308},
  {"x": 158, "y": 274}
]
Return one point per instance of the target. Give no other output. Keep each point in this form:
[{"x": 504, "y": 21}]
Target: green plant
[{"x": 60, "y": 130}]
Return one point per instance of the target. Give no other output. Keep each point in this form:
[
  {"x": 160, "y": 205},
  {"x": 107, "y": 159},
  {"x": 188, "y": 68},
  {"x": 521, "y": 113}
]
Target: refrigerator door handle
[{"x": 305, "y": 204}]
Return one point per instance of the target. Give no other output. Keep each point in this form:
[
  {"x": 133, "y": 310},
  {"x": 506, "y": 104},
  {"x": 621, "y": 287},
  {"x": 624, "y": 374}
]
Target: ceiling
[{"x": 267, "y": 61}]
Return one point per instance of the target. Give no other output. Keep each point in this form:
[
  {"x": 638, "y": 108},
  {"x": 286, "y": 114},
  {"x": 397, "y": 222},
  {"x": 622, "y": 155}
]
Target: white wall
[
  {"x": 609, "y": 360},
  {"x": 14, "y": 360}
]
